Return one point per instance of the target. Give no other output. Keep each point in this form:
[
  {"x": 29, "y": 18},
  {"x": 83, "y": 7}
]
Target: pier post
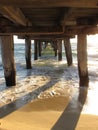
[
  {"x": 28, "y": 52},
  {"x": 7, "y": 52},
  {"x": 35, "y": 49},
  {"x": 39, "y": 48},
  {"x": 55, "y": 48},
  {"x": 82, "y": 60},
  {"x": 59, "y": 44},
  {"x": 68, "y": 51}
]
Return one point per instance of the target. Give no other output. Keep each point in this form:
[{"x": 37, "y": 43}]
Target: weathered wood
[
  {"x": 54, "y": 45},
  {"x": 18, "y": 30},
  {"x": 66, "y": 14},
  {"x": 39, "y": 48},
  {"x": 82, "y": 60},
  {"x": 87, "y": 21},
  {"x": 68, "y": 51},
  {"x": 55, "y": 52},
  {"x": 7, "y": 48},
  {"x": 15, "y": 15},
  {"x": 83, "y": 91},
  {"x": 48, "y": 17},
  {"x": 28, "y": 52},
  {"x": 35, "y": 49},
  {"x": 48, "y": 38},
  {"x": 51, "y": 3},
  {"x": 59, "y": 45},
  {"x": 50, "y": 34}
]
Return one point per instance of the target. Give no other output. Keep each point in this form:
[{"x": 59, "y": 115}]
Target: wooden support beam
[
  {"x": 85, "y": 29},
  {"x": 87, "y": 21},
  {"x": 82, "y": 60},
  {"x": 39, "y": 48},
  {"x": 15, "y": 15},
  {"x": 32, "y": 30},
  {"x": 83, "y": 92},
  {"x": 21, "y": 36},
  {"x": 55, "y": 52},
  {"x": 7, "y": 48},
  {"x": 67, "y": 13},
  {"x": 28, "y": 52},
  {"x": 54, "y": 45},
  {"x": 90, "y": 30},
  {"x": 59, "y": 44},
  {"x": 35, "y": 33},
  {"x": 51, "y": 3},
  {"x": 35, "y": 49},
  {"x": 68, "y": 51}
]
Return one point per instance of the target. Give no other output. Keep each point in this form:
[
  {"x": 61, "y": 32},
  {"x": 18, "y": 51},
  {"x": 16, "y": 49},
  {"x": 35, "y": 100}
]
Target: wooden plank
[
  {"x": 7, "y": 48},
  {"x": 50, "y": 3},
  {"x": 82, "y": 60},
  {"x": 15, "y": 15}
]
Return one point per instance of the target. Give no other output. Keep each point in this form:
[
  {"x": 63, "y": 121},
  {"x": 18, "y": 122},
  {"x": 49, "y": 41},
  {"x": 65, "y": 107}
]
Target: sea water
[
  {"x": 19, "y": 57},
  {"x": 21, "y": 71}
]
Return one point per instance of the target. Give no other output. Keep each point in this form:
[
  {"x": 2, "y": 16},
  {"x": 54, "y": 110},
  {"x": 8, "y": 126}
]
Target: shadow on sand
[
  {"x": 69, "y": 118},
  {"x": 9, "y": 108}
]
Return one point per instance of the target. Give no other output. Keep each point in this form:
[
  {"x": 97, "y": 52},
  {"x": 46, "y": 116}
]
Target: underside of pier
[
  {"x": 59, "y": 103},
  {"x": 47, "y": 20}
]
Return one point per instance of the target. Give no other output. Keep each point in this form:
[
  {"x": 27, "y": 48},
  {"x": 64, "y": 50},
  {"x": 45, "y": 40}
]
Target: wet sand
[
  {"x": 62, "y": 106},
  {"x": 37, "y": 115},
  {"x": 59, "y": 112},
  {"x": 49, "y": 114}
]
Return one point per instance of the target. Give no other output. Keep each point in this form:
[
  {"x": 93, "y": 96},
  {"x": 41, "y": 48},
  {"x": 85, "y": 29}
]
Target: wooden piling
[
  {"x": 59, "y": 44},
  {"x": 28, "y": 52},
  {"x": 82, "y": 60},
  {"x": 68, "y": 51},
  {"x": 55, "y": 51},
  {"x": 35, "y": 49},
  {"x": 39, "y": 48},
  {"x": 55, "y": 48},
  {"x": 7, "y": 52}
]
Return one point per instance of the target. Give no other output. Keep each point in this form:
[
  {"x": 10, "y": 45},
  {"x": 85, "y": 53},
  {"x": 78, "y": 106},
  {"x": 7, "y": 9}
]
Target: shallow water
[
  {"x": 54, "y": 98},
  {"x": 48, "y": 72}
]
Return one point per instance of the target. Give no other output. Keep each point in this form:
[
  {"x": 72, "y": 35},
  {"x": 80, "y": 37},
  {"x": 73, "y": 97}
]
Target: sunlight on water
[
  {"x": 92, "y": 50},
  {"x": 93, "y": 39},
  {"x": 91, "y": 105}
]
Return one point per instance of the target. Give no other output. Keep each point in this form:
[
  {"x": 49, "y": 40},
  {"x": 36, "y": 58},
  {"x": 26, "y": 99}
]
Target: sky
[
  {"x": 16, "y": 40},
  {"x": 90, "y": 39}
]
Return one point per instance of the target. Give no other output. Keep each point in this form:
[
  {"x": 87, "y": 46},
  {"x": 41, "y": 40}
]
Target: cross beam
[
  {"x": 15, "y": 15},
  {"x": 50, "y": 3}
]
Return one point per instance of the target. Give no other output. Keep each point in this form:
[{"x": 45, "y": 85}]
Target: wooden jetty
[{"x": 47, "y": 20}]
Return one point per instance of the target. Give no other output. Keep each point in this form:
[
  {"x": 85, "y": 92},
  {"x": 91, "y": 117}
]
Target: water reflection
[
  {"x": 82, "y": 95},
  {"x": 91, "y": 105}
]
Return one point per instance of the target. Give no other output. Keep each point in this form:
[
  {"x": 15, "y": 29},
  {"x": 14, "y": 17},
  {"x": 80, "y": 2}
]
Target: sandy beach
[
  {"x": 49, "y": 114},
  {"x": 57, "y": 103}
]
